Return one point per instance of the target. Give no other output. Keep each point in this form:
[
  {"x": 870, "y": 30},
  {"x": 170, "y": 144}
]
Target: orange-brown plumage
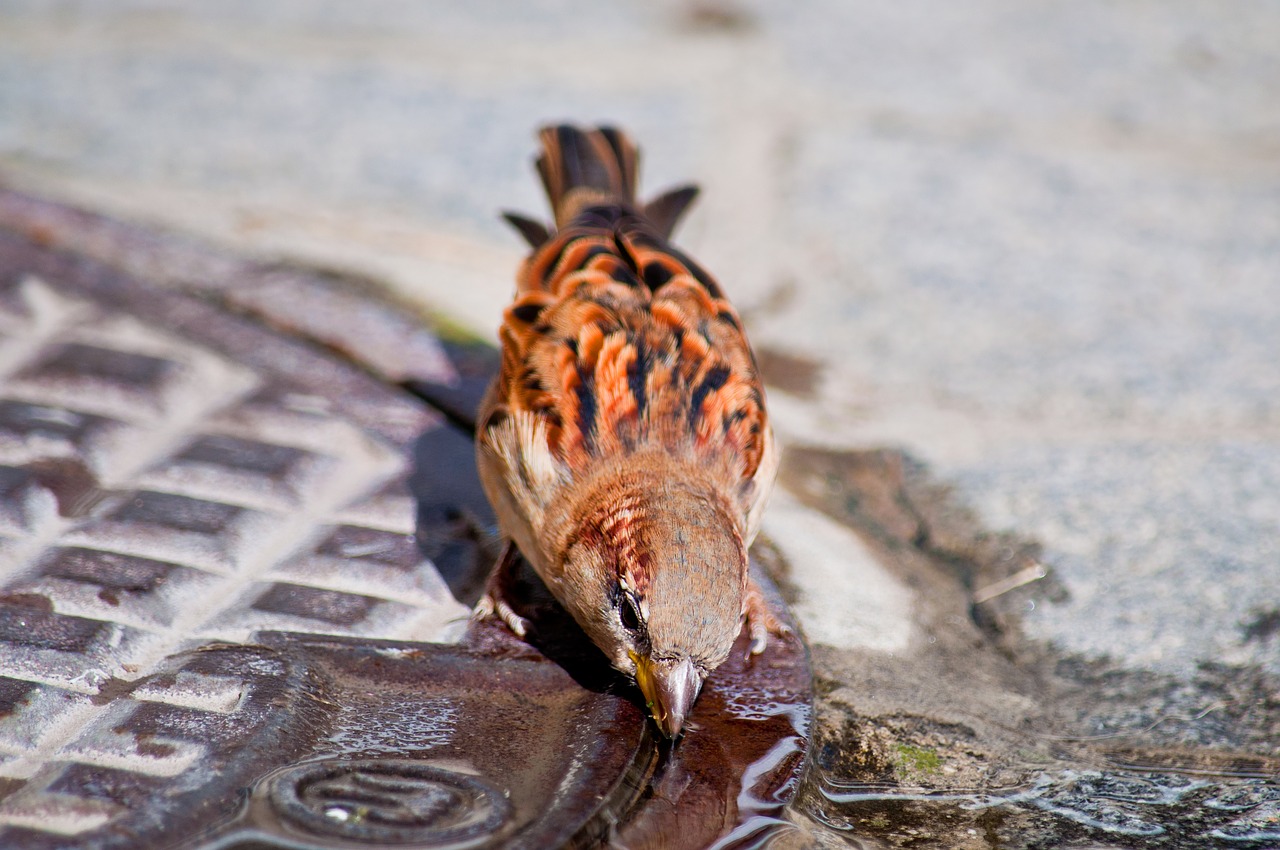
[{"x": 625, "y": 443}]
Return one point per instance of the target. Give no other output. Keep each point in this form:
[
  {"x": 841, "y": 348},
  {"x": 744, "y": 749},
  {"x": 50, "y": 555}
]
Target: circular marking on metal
[{"x": 389, "y": 801}]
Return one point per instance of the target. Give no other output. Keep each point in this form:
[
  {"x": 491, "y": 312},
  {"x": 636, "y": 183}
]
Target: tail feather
[
  {"x": 584, "y": 167},
  {"x": 534, "y": 232},
  {"x": 599, "y": 166},
  {"x": 665, "y": 211}
]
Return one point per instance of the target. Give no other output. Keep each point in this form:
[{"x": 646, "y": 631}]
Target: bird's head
[{"x": 656, "y": 580}]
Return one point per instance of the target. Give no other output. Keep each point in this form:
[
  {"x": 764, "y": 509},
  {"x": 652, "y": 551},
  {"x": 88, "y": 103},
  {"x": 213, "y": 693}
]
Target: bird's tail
[{"x": 582, "y": 168}]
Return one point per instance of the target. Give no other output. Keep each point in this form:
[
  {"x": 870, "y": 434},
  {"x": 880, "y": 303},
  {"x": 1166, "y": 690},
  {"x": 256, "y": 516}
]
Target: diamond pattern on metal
[{"x": 157, "y": 493}]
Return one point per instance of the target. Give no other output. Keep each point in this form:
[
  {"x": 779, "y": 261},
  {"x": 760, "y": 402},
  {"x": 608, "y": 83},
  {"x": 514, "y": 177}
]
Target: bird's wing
[{"x": 617, "y": 342}]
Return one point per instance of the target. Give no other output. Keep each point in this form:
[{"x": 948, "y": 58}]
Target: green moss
[
  {"x": 1033, "y": 757},
  {"x": 916, "y": 759},
  {"x": 455, "y": 332}
]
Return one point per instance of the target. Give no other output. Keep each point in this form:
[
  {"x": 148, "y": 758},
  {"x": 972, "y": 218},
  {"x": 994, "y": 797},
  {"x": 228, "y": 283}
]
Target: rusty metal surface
[{"x": 229, "y": 562}]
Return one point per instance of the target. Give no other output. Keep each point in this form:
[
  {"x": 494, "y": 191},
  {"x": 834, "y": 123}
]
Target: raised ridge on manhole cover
[{"x": 390, "y": 801}]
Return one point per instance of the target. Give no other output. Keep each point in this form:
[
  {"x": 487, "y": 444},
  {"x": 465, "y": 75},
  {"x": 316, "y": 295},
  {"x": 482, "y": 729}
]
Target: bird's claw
[
  {"x": 491, "y": 606},
  {"x": 761, "y": 621},
  {"x": 493, "y": 603}
]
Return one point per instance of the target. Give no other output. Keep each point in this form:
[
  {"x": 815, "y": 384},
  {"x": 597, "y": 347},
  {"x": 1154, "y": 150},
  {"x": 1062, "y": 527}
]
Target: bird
[{"x": 624, "y": 443}]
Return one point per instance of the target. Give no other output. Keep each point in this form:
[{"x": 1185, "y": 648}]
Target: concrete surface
[{"x": 1037, "y": 246}]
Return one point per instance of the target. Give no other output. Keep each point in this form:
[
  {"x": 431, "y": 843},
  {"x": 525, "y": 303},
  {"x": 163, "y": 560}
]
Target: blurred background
[{"x": 1036, "y": 245}]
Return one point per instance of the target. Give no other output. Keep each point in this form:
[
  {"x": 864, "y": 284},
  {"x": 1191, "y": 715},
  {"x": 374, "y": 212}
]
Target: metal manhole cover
[{"x": 213, "y": 568}]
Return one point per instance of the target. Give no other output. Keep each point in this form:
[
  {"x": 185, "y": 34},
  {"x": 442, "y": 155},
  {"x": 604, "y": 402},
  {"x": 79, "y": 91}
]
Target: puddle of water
[{"x": 1065, "y": 807}]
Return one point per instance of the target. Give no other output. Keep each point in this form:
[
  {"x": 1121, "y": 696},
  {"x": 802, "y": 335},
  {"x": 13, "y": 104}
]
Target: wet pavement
[
  {"x": 1011, "y": 743},
  {"x": 1010, "y": 271}
]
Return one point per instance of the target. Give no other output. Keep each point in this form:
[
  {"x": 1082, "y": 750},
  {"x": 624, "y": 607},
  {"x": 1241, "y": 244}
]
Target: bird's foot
[
  {"x": 761, "y": 621},
  {"x": 493, "y": 603}
]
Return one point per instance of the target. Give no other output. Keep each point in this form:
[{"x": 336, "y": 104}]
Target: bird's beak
[{"x": 669, "y": 689}]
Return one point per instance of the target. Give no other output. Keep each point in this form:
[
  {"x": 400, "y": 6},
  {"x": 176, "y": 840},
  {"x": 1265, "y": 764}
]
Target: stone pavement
[{"x": 1034, "y": 246}]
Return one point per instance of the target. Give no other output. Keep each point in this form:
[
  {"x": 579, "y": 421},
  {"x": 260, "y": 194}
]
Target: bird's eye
[{"x": 629, "y": 613}]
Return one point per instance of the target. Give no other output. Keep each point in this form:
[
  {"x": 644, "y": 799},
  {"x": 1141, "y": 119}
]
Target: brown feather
[{"x": 625, "y": 444}]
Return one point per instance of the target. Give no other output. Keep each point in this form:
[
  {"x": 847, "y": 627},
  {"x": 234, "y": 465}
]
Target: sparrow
[{"x": 624, "y": 444}]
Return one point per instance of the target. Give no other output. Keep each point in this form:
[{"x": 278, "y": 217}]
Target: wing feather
[{"x": 618, "y": 342}]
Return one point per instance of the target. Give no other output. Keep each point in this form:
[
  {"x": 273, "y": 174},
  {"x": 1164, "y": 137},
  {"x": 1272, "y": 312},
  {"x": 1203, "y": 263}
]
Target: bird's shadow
[
  {"x": 455, "y": 526},
  {"x": 456, "y": 529}
]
